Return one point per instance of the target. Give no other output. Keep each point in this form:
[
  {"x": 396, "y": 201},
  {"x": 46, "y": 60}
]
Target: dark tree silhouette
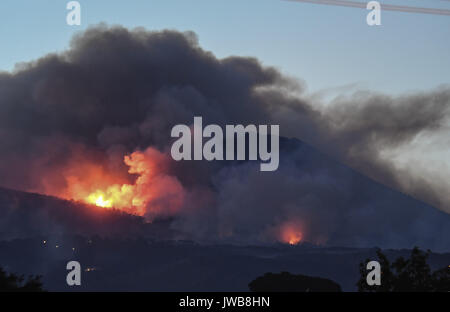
[
  {"x": 406, "y": 275},
  {"x": 16, "y": 283},
  {"x": 287, "y": 282}
]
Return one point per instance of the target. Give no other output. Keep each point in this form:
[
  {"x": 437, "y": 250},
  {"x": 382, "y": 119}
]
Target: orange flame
[
  {"x": 154, "y": 192},
  {"x": 290, "y": 233}
]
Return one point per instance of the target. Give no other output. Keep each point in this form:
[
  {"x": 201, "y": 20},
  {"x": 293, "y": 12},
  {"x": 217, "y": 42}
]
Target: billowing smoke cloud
[{"x": 74, "y": 116}]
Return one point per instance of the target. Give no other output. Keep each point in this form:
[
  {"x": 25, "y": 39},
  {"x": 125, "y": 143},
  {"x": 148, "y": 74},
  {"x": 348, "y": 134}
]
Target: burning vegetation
[
  {"x": 153, "y": 192},
  {"x": 290, "y": 233}
]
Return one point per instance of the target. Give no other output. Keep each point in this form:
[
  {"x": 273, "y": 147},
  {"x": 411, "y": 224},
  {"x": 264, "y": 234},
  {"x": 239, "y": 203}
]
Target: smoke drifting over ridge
[{"x": 72, "y": 117}]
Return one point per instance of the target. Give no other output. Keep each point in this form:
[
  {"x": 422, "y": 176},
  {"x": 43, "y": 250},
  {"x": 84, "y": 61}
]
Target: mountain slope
[
  {"x": 336, "y": 206},
  {"x": 24, "y": 215}
]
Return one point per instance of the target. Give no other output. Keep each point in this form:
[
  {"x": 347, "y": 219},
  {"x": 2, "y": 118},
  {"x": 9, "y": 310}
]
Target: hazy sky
[{"x": 326, "y": 46}]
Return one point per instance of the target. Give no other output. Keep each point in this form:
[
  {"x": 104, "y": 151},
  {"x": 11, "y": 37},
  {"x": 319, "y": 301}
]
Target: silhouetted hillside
[
  {"x": 337, "y": 205},
  {"x": 287, "y": 282},
  {"x": 24, "y": 215}
]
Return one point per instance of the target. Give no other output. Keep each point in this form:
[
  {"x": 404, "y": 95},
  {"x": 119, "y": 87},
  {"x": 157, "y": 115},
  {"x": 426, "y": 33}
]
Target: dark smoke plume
[{"x": 117, "y": 91}]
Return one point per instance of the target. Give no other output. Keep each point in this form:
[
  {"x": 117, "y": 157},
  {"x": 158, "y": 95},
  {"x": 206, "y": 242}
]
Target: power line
[{"x": 387, "y": 7}]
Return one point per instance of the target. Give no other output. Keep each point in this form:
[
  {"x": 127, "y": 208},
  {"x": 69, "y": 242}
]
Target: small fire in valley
[{"x": 290, "y": 233}]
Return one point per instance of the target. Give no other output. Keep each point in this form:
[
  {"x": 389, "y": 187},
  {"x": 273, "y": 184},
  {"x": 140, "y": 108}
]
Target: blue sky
[{"x": 326, "y": 46}]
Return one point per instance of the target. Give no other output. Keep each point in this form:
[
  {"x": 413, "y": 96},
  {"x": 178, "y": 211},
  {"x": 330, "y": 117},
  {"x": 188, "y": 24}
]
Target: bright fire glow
[
  {"x": 153, "y": 192},
  {"x": 98, "y": 199},
  {"x": 290, "y": 233},
  {"x": 126, "y": 196}
]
